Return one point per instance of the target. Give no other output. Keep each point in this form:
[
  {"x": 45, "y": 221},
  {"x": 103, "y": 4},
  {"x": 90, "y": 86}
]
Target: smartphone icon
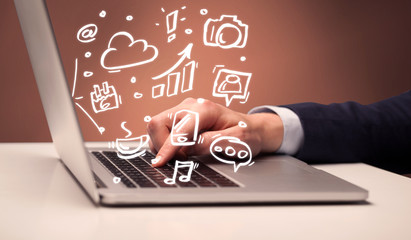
[{"x": 185, "y": 128}]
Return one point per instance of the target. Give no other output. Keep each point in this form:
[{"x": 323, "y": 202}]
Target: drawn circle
[
  {"x": 101, "y": 129},
  {"x": 232, "y": 79},
  {"x": 203, "y": 11},
  {"x": 102, "y": 14},
  {"x": 147, "y": 119},
  {"x": 87, "y": 33},
  {"x": 242, "y": 59},
  {"x": 138, "y": 95},
  {"x": 200, "y": 100},
  {"x": 242, "y": 124},
  {"x": 188, "y": 31},
  {"x": 242, "y": 154},
  {"x": 229, "y": 151},
  {"x": 219, "y": 35},
  {"x": 87, "y": 54},
  {"x": 218, "y": 149},
  {"x": 129, "y": 18},
  {"x": 87, "y": 74},
  {"x": 133, "y": 80}
]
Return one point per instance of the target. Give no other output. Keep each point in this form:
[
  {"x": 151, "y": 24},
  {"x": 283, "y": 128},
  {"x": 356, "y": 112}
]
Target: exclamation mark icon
[{"x": 171, "y": 20}]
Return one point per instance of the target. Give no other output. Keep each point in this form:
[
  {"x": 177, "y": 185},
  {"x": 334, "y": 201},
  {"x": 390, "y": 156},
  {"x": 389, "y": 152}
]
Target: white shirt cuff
[{"x": 293, "y": 130}]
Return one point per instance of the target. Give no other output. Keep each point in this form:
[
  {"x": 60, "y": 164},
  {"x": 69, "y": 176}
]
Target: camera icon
[{"x": 226, "y": 32}]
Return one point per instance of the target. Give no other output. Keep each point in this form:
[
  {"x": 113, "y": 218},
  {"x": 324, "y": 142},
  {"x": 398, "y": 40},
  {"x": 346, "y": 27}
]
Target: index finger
[{"x": 184, "y": 132}]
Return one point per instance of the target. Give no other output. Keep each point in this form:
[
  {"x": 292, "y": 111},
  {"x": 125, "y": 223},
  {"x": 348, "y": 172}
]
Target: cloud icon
[{"x": 118, "y": 52}]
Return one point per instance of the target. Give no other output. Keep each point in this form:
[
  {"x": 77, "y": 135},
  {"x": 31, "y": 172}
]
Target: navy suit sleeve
[{"x": 378, "y": 134}]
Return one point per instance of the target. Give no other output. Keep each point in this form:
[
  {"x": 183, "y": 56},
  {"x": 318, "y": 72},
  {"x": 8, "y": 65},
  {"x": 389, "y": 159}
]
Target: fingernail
[{"x": 155, "y": 160}]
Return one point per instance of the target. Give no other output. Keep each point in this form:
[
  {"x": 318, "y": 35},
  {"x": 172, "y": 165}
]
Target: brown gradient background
[{"x": 322, "y": 51}]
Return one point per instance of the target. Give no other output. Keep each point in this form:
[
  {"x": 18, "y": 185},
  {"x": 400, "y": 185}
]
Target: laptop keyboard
[{"x": 138, "y": 173}]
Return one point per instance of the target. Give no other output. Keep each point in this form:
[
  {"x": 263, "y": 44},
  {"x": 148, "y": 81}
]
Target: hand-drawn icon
[
  {"x": 185, "y": 176},
  {"x": 129, "y": 148},
  {"x": 231, "y": 85},
  {"x": 145, "y": 53},
  {"x": 138, "y": 95},
  {"x": 225, "y": 149},
  {"x": 100, "y": 129},
  {"x": 185, "y": 128},
  {"x": 87, "y": 33},
  {"x": 88, "y": 74},
  {"x": 116, "y": 180},
  {"x": 186, "y": 75},
  {"x": 226, "y": 32},
  {"x": 158, "y": 91},
  {"x": 104, "y": 99},
  {"x": 87, "y": 54},
  {"x": 203, "y": 11},
  {"x": 123, "y": 126},
  {"x": 129, "y": 18},
  {"x": 171, "y": 21},
  {"x": 102, "y": 14}
]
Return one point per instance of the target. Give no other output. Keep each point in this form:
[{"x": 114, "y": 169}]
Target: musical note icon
[{"x": 184, "y": 177}]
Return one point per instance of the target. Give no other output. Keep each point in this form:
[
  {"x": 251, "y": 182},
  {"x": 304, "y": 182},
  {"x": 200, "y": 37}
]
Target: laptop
[{"x": 109, "y": 179}]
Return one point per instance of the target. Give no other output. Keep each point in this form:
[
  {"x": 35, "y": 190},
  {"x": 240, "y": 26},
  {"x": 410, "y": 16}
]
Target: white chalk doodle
[
  {"x": 188, "y": 31},
  {"x": 102, "y": 14},
  {"x": 75, "y": 77},
  {"x": 87, "y": 33},
  {"x": 87, "y": 54},
  {"x": 184, "y": 176},
  {"x": 129, "y": 148},
  {"x": 185, "y": 75},
  {"x": 123, "y": 126},
  {"x": 216, "y": 29},
  {"x": 133, "y": 80},
  {"x": 242, "y": 124},
  {"x": 138, "y": 95},
  {"x": 171, "y": 22},
  {"x": 158, "y": 91},
  {"x": 242, "y": 59},
  {"x": 87, "y": 74},
  {"x": 147, "y": 119},
  {"x": 129, "y": 18},
  {"x": 184, "y": 130},
  {"x": 105, "y": 98},
  {"x": 203, "y": 11},
  {"x": 231, "y": 85},
  {"x": 100, "y": 129},
  {"x": 116, "y": 180},
  {"x": 231, "y": 150},
  {"x": 145, "y": 53}
]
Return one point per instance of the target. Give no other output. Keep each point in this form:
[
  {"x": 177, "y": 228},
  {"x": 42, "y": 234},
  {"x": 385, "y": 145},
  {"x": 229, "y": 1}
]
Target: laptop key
[{"x": 109, "y": 166}]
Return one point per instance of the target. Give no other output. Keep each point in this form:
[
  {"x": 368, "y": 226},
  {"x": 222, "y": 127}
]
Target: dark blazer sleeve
[{"x": 378, "y": 134}]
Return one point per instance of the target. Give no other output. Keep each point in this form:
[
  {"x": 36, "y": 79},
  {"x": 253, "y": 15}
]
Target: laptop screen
[{"x": 129, "y": 60}]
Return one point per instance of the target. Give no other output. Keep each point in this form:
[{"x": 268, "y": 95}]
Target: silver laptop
[{"x": 111, "y": 180}]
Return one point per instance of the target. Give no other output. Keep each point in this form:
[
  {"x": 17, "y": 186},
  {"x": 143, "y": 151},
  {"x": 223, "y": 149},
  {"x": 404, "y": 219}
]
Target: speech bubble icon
[{"x": 232, "y": 148}]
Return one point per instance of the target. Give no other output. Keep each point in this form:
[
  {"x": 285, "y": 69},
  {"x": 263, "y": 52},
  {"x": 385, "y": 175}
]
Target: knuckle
[{"x": 153, "y": 125}]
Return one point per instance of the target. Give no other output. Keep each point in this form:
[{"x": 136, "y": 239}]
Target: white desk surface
[{"x": 40, "y": 200}]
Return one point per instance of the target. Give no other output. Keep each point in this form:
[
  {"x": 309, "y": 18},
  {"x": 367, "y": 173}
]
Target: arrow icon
[{"x": 186, "y": 53}]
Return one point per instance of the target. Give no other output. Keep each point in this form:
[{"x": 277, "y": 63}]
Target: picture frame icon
[{"x": 185, "y": 120}]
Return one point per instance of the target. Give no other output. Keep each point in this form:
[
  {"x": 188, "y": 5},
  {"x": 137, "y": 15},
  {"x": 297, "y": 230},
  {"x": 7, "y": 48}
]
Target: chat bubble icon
[
  {"x": 231, "y": 84},
  {"x": 129, "y": 148},
  {"x": 225, "y": 149}
]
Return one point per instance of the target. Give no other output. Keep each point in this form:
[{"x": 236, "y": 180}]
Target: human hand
[{"x": 262, "y": 132}]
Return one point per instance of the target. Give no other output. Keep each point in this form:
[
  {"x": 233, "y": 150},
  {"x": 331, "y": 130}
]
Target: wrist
[{"x": 270, "y": 129}]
